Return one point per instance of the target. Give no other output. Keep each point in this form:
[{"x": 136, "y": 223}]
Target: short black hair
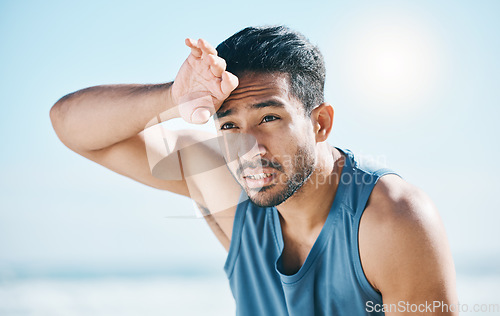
[{"x": 270, "y": 49}]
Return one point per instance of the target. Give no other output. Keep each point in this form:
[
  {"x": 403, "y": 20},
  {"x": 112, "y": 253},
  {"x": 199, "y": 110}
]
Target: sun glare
[{"x": 392, "y": 63}]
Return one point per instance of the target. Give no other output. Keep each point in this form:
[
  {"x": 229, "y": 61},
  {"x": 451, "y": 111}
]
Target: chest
[{"x": 295, "y": 252}]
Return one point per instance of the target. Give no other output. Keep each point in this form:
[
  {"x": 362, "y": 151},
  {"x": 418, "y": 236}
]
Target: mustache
[{"x": 262, "y": 162}]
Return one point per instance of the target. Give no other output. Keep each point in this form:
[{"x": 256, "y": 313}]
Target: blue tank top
[{"x": 330, "y": 282}]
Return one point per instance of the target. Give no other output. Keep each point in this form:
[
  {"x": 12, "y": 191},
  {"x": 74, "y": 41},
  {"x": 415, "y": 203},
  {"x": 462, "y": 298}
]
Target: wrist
[{"x": 170, "y": 106}]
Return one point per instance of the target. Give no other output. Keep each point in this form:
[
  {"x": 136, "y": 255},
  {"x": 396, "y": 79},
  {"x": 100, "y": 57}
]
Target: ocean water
[
  {"x": 171, "y": 295},
  {"x": 481, "y": 291},
  {"x": 117, "y": 296}
]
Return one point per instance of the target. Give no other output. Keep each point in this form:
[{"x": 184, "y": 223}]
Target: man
[{"x": 314, "y": 231}]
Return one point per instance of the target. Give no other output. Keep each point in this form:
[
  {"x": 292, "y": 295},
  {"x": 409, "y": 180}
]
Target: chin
[
  {"x": 264, "y": 197},
  {"x": 265, "y": 202}
]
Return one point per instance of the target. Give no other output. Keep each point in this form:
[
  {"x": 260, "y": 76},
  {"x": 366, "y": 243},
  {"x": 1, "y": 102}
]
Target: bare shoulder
[
  {"x": 403, "y": 244},
  {"x": 394, "y": 201}
]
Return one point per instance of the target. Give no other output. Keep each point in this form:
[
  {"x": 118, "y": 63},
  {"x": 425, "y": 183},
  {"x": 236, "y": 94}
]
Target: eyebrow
[{"x": 265, "y": 104}]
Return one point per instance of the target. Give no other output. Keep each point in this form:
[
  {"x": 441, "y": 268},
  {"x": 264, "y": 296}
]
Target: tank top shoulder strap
[
  {"x": 368, "y": 188},
  {"x": 363, "y": 175}
]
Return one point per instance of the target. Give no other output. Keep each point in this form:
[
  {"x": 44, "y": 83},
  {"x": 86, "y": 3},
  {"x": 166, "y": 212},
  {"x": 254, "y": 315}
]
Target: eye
[
  {"x": 227, "y": 126},
  {"x": 269, "y": 118}
]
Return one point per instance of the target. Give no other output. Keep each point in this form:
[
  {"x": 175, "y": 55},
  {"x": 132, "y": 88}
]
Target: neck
[{"x": 308, "y": 208}]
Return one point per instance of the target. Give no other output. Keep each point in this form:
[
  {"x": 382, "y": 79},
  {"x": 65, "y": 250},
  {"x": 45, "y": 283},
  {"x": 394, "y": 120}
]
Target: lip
[
  {"x": 259, "y": 183},
  {"x": 255, "y": 171}
]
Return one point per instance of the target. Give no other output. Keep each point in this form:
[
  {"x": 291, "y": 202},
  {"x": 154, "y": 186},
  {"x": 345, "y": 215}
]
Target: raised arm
[{"x": 105, "y": 123}]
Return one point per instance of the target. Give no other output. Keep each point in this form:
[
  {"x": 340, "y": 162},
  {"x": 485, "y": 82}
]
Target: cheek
[
  {"x": 307, "y": 130},
  {"x": 300, "y": 134},
  {"x": 233, "y": 166}
]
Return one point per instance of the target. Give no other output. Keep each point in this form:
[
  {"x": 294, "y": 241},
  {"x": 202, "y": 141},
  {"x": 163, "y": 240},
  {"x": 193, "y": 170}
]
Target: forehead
[{"x": 259, "y": 88}]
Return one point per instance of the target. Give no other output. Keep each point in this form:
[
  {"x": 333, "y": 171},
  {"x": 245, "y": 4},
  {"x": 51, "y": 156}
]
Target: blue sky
[{"x": 414, "y": 85}]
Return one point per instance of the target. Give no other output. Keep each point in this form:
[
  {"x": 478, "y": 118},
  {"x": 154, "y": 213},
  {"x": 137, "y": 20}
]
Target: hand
[{"x": 202, "y": 83}]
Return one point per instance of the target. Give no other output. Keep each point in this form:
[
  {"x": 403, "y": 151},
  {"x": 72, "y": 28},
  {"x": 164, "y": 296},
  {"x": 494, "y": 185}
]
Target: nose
[
  {"x": 258, "y": 146},
  {"x": 257, "y": 150},
  {"x": 251, "y": 147},
  {"x": 241, "y": 145},
  {"x": 247, "y": 145}
]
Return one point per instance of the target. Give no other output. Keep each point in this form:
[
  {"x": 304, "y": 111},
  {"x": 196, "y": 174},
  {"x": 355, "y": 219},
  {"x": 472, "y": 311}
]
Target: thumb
[
  {"x": 200, "y": 116},
  {"x": 198, "y": 110}
]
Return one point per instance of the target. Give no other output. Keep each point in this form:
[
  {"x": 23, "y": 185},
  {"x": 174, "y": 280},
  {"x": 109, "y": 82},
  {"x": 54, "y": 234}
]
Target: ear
[{"x": 322, "y": 120}]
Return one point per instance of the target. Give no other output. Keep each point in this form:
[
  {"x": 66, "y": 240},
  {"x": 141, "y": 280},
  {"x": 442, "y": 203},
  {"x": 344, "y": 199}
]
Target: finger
[
  {"x": 191, "y": 42},
  {"x": 195, "y": 50},
  {"x": 229, "y": 82},
  {"x": 206, "y": 47},
  {"x": 217, "y": 65}
]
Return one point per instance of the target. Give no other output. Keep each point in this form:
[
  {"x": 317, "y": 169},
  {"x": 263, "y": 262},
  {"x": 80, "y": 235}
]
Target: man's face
[{"x": 269, "y": 140}]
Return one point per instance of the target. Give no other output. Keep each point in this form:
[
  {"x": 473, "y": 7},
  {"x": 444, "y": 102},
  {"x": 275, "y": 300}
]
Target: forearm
[{"x": 100, "y": 116}]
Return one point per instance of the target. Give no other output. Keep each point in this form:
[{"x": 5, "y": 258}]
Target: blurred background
[{"x": 415, "y": 86}]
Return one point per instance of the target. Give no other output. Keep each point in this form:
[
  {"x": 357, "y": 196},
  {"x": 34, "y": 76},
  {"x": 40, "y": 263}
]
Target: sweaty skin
[{"x": 402, "y": 242}]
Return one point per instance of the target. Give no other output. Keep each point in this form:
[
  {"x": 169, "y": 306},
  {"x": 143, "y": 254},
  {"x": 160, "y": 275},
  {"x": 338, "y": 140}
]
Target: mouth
[
  {"x": 258, "y": 176},
  {"x": 259, "y": 180}
]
